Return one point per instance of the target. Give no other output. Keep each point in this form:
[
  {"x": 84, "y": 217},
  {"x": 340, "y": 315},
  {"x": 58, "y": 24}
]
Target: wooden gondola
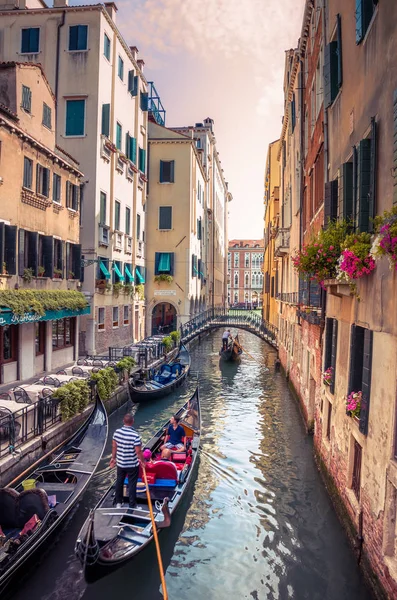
[
  {"x": 112, "y": 536},
  {"x": 233, "y": 351},
  {"x": 28, "y": 518},
  {"x": 164, "y": 381}
]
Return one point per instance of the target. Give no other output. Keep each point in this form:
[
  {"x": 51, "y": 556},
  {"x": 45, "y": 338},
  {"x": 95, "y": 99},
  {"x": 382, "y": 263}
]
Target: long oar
[
  {"x": 253, "y": 357},
  {"x": 156, "y": 539}
]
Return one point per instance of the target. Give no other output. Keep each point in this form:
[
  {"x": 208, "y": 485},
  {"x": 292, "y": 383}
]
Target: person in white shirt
[{"x": 225, "y": 338}]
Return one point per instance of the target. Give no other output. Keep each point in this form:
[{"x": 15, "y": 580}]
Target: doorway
[{"x": 163, "y": 318}]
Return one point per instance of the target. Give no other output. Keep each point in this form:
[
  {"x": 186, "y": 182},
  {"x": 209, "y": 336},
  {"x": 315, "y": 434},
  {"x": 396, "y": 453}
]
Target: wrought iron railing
[
  {"x": 281, "y": 242},
  {"x": 289, "y": 297}
]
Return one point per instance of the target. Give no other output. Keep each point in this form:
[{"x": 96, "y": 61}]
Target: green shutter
[
  {"x": 144, "y": 101},
  {"x": 395, "y": 147},
  {"x": 75, "y": 116},
  {"x": 47, "y": 257},
  {"x": 164, "y": 263},
  {"x": 339, "y": 49},
  {"x": 131, "y": 81},
  {"x": 363, "y": 184},
  {"x": 330, "y": 73},
  {"x": 135, "y": 88},
  {"x": 105, "y": 129},
  {"x": 334, "y": 346},
  {"x": 161, "y": 171},
  {"x": 330, "y": 201},
  {"x": 372, "y": 182},
  {"x": 366, "y": 380},
  {"x": 133, "y": 150},
  {"x": 10, "y": 248},
  {"x": 119, "y": 135}
]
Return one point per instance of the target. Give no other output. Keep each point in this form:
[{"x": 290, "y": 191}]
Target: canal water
[{"x": 257, "y": 524}]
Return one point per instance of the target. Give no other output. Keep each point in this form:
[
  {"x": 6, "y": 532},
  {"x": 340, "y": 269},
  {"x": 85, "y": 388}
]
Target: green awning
[
  {"x": 7, "y": 317},
  {"x": 195, "y": 270},
  {"x": 139, "y": 276},
  {"x": 128, "y": 273},
  {"x": 118, "y": 272},
  {"x": 202, "y": 274},
  {"x": 104, "y": 270},
  {"x": 165, "y": 262}
]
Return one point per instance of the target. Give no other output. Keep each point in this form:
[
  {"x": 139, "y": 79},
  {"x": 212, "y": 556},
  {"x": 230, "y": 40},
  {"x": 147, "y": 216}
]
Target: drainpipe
[
  {"x": 61, "y": 24},
  {"x": 326, "y": 173}
]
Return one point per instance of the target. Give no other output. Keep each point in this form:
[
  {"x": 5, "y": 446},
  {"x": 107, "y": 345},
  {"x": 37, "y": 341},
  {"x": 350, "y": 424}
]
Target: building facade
[
  {"x": 245, "y": 272},
  {"x": 271, "y": 201},
  {"x": 176, "y": 242},
  {"x": 102, "y": 102},
  {"x": 39, "y": 230}
]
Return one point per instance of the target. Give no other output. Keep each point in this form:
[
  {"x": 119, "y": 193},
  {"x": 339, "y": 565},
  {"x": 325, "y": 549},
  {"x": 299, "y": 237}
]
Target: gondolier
[
  {"x": 225, "y": 338},
  {"x": 126, "y": 454}
]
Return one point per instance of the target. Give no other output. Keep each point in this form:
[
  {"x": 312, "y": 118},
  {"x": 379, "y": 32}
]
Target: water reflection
[{"x": 258, "y": 523}]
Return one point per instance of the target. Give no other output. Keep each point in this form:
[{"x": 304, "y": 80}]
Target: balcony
[
  {"x": 156, "y": 111},
  {"x": 281, "y": 243},
  {"x": 103, "y": 239},
  {"x": 288, "y": 297}
]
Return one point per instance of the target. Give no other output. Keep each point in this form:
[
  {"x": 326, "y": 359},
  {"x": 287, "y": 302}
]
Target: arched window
[
  {"x": 246, "y": 280},
  {"x": 236, "y": 296},
  {"x": 236, "y": 280}
]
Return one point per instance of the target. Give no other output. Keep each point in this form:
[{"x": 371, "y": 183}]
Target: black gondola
[
  {"x": 161, "y": 383},
  {"x": 111, "y": 536},
  {"x": 233, "y": 350},
  {"x": 29, "y": 517}
]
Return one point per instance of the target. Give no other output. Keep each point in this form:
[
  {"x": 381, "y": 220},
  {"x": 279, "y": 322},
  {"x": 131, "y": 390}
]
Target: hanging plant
[
  {"x": 353, "y": 403},
  {"x": 128, "y": 288},
  {"x": 117, "y": 287},
  {"x": 39, "y": 301},
  {"x": 385, "y": 243},
  {"x": 106, "y": 381},
  {"x": 318, "y": 260},
  {"x": 140, "y": 291},
  {"x": 163, "y": 277},
  {"x": 328, "y": 376},
  {"x": 356, "y": 260}
]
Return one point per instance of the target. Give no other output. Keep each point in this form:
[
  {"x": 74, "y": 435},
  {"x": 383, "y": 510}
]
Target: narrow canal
[{"x": 258, "y": 523}]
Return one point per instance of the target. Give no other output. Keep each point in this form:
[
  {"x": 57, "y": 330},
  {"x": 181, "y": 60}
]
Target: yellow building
[
  {"x": 270, "y": 265},
  {"x": 39, "y": 227},
  {"x": 176, "y": 272}
]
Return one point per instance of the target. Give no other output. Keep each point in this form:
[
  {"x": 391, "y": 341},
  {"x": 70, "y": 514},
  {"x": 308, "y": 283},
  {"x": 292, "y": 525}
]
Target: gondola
[
  {"x": 161, "y": 383},
  {"x": 112, "y": 536},
  {"x": 233, "y": 351},
  {"x": 28, "y": 518}
]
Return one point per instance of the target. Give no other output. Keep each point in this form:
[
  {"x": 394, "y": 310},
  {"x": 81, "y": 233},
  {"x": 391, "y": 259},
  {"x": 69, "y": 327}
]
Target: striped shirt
[{"x": 126, "y": 439}]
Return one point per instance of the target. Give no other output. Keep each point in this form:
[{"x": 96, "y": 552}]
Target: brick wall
[{"x": 110, "y": 336}]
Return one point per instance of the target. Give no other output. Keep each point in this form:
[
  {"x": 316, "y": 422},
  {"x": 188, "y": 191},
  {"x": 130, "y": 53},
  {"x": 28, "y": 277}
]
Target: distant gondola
[
  {"x": 112, "y": 536},
  {"x": 29, "y": 517},
  {"x": 233, "y": 351},
  {"x": 161, "y": 383}
]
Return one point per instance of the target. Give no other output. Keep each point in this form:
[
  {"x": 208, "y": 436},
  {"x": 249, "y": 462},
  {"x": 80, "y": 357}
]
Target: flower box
[{"x": 338, "y": 288}]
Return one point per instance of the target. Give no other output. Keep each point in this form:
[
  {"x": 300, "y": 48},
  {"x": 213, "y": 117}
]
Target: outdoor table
[
  {"x": 33, "y": 391},
  {"x": 61, "y": 378},
  {"x": 84, "y": 368}
]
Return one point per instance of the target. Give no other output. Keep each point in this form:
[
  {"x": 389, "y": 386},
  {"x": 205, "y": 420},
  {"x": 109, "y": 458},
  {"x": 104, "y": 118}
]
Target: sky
[{"x": 222, "y": 59}]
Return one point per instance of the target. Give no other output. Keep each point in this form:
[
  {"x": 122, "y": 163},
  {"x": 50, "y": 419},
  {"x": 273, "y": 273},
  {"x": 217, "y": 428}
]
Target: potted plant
[
  {"x": 4, "y": 269},
  {"x": 163, "y": 277},
  {"x": 40, "y": 271},
  {"x": 117, "y": 287},
  {"x": 167, "y": 343},
  {"x": 140, "y": 291},
  {"x": 101, "y": 283},
  {"x": 353, "y": 404},
  {"x": 385, "y": 243},
  {"x": 328, "y": 376},
  {"x": 70, "y": 275},
  {"x": 128, "y": 288},
  {"x": 27, "y": 275},
  {"x": 356, "y": 259},
  {"x": 175, "y": 336},
  {"x": 57, "y": 273}
]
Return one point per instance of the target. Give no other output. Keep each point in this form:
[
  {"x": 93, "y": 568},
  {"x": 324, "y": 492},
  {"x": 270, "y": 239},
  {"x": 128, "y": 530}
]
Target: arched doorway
[{"x": 163, "y": 318}]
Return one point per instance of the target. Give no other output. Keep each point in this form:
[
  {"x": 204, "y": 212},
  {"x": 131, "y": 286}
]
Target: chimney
[
  {"x": 141, "y": 64},
  {"x": 134, "y": 52},
  {"x": 111, "y": 9},
  {"x": 61, "y": 3}
]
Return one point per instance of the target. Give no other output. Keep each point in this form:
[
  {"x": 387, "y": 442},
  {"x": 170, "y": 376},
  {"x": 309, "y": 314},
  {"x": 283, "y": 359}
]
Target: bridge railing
[{"x": 225, "y": 316}]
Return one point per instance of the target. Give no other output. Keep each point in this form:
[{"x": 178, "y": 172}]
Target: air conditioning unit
[
  {"x": 118, "y": 241},
  {"x": 128, "y": 245},
  {"x": 104, "y": 235}
]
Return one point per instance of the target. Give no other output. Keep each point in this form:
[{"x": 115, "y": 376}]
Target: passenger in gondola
[
  {"x": 174, "y": 440},
  {"x": 225, "y": 339}
]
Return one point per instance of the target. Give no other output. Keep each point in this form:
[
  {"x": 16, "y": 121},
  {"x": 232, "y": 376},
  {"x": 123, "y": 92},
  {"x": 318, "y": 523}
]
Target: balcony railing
[
  {"x": 281, "y": 243},
  {"x": 288, "y": 297},
  {"x": 155, "y": 107}
]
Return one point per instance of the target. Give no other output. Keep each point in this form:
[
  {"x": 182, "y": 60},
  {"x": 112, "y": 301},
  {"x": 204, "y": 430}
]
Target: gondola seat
[
  {"x": 32, "y": 502},
  {"x": 176, "y": 370},
  {"x": 179, "y": 457},
  {"x": 165, "y": 471}
]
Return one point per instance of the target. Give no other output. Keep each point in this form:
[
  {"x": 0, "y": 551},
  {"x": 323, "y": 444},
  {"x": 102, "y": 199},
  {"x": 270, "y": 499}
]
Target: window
[
  {"x": 247, "y": 259},
  {"x": 360, "y": 370},
  {"x": 101, "y": 319},
  {"x": 246, "y": 280},
  {"x": 319, "y": 83},
  {"x": 130, "y": 147},
  {"x": 73, "y": 261},
  {"x": 72, "y": 196},
  {"x": 236, "y": 279},
  {"x": 164, "y": 263},
  {"x": 27, "y": 173},
  {"x": 39, "y": 337},
  {"x": 365, "y": 160},
  {"x": 312, "y": 109},
  {"x": 117, "y": 272},
  {"x": 102, "y": 209},
  {"x": 165, "y": 217},
  {"x": 46, "y": 256},
  {"x": 78, "y": 37},
  {"x": 8, "y": 343},
  {"x": 105, "y": 125},
  {"x": 167, "y": 171},
  {"x": 8, "y": 248},
  {"x": 195, "y": 271},
  {"x": 127, "y": 220},
  {"x": 126, "y": 315},
  {"x": 115, "y": 311},
  {"x": 199, "y": 229},
  {"x": 46, "y": 116},
  {"x": 120, "y": 68},
  {"x": 30, "y": 40},
  {"x": 26, "y": 99},
  {"x": 62, "y": 333},
  {"x": 140, "y": 275},
  {"x": 138, "y": 226},
  {"x": 333, "y": 76},
  {"x": 132, "y": 83},
  {"x": 58, "y": 258},
  {"x": 364, "y": 12},
  {"x": 42, "y": 180},
  {"x": 144, "y": 101},
  {"x": 356, "y": 476},
  {"x": 119, "y": 135},
  {"x": 106, "y": 46},
  {"x": 117, "y": 215},
  {"x": 331, "y": 342},
  {"x": 75, "y": 117},
  {"x": 142, "y": 160},
  {"x": 56, "y": 188},
  {"x": 236, "y": 259}
]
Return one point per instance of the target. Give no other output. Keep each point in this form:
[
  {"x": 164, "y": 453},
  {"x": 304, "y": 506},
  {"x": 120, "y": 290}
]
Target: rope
[{"x": 155, "y": 535}]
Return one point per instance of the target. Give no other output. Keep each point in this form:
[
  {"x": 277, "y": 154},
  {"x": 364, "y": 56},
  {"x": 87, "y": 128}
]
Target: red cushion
[
  {"x": 179, "y": 456},
  {"x": 151, "y": 477}
]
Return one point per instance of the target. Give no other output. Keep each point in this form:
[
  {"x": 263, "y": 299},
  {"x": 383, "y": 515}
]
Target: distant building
[
  {"x": 102, "y": 113},
  {"x": 176, "y": 277},
  {"x": 245, "y": 269},
  {"x": 39, "y": 226}
]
